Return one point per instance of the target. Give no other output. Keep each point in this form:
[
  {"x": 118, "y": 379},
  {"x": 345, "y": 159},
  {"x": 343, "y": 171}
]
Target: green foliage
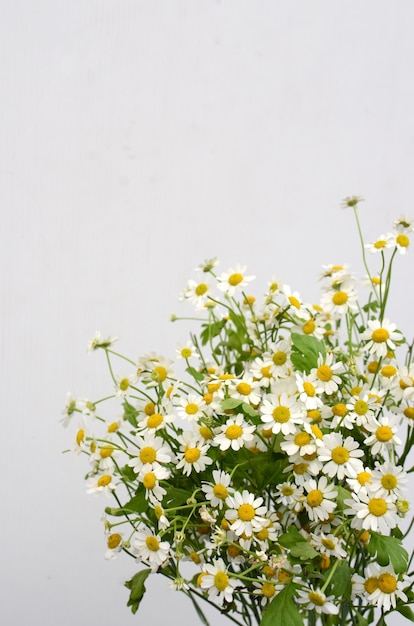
[
  {"x": 341, "y": 580},
  {"x": 282, "y": 610},
  {"x": 305, "y": 352},
  {"x": 386, "y": 549},
  {"x": 137, "y": 587},
  {"x": 130, "y": 413},
  {"x": 211, "y": 330}
]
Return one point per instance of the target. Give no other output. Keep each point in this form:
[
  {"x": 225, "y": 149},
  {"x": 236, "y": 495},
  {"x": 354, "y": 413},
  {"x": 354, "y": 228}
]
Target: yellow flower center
[
  {"x": 302, "y": 439},
  {"x": 234, "y": 431},
  {"x": 364, "y": 477},
  {"x": 113, "y": 541},
  {"x": 309, "y": 389},
  {"x": 149, "y": 408},
  {"x": 339, "y": 297},
  {"x": 314, "y": 497},
  {"x": 309, "y": 327},
  {"x": 316, "y": 598},
  {"x": 235, "y": 279},
  {"x": 281, "y": 414},
  {"x": 244, "y": 389},
  {"x": 371, "y": 584},
  {"x": 263, "y": 534},
  {"x": 266, "y": 373},
  {"x": 124, "y": 384},
  {"x": 403, "y": 241},
  {"x": 339, "y": 409},
  {"x": 372, "y": 367},
  {"x": 149, "y": 480},
  {"x": 377, "y": 507},
  {"x": 283, "y": 577},
  {"x": 316, "y": 431},
  {"x": 279, "y": 358},
  {"x": 388, "y": 371},
  {"x": 147, "y": 455},
  {"x": 325, "y": 562},
  {"x": 221, "y": 580},
  {"x": 195, "y": 557},
  {"x": 340, "y": 455},
  {"x": 268, "y": 590},
  {"x": 294, "y": 302},
  {"x": 112, "y": 428},
  {"x": 379, "y": 335},
  {"x": 104, "y": 480},
  {"x": 186, "y": 353},
  {"x": 389, "y": 481},
  {"x": 361, "y": 407},
  {"x": 80, "y": 436},
  {"x": 287, "y": 490},
  {"x": 409, "y": 412},
  {"x": 233, "y": 551},
  {"x": 159, "y": 373},
  {"x": 387, "y": 583},
  {"x": 324, "y": 373},
  {"x": 246, "y": 512},
  {"x": 155, "y": 420},
  {"x": 192, "y": 455},
  {"x": 220, "y": 491},
  {"x": 384, "y": 433},
  {"x": 300, "y": 468},
  {"x": 106, "y": 452},
  {"x": 191, "y": 408},
  {"x": 205, "y": 432},
  {"x": 315, "y": 416},
  {"x": 328, "y": 544},
  {"x": 152, "y": 543},
  {"x": 201, "y": 289}
]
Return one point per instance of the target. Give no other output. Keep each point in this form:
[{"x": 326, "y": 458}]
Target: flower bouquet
[{"x": 268, "y": 478}]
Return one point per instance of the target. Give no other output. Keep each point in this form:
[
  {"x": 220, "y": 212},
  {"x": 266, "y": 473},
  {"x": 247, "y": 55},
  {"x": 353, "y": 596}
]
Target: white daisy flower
[
  {"x": 278, "y": 357},
  {"x": 235, "y": 433},
  {"x": 307, "y": 392},
  {"x": 325, "y": 376},
  {"x": 370, "y": 512},
  {"x": 360, "y": 409},
  {"x": 217, "y": 493},
  {"x": 328, "y": 544},
  {"x": 194, "y": 455},
  {"x": 380, "y": 244},
  {"x": 192, "y": 407},
  {"x": 315, "y": 600},
  {"x": 245, "y": 513},
  {"x": 282, "y": 414},
  {"x": 148, "y": 450},
  {"x": 389, "y": 479},
  {"x": 114, "y": 545},
  {"x": 339, "y": 301},
  {"x": 381, "y": 337},
  {"x": 197, "y": 293},
  {"x": 340, "y": 458},
  {"x": 150, "y": 549},
  {"x": 150, "y": 478},
  {"x": 70, "y": 408},
  {"x": 319, "y": 498},
  {"x": 124, "y": 384},
  {"x": 234, "y": 280},
  {"x": 384, "y": 434},
  {"x": 101, "y": 484},
  {"x": 381, "y": 586},
  {"x": 402, "y": 241},
  {"x": 246, "y": 389},
  {"x": 217, "y": 581}
]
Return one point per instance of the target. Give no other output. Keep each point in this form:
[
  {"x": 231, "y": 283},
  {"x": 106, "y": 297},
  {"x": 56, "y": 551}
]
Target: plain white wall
[{"x": 139, "y": 137}]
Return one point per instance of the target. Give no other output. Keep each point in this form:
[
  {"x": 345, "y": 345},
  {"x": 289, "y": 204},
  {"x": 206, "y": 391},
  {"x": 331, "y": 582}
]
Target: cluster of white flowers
[{"x": 278, "y": 460}]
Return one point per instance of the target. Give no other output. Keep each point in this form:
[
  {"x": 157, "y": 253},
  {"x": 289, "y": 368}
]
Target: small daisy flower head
[
  {"x": 371, "y": 512},
  {"x": 319, "y": 499},
  {"x": 80, "y": 443},
  {"x": 328, "y": 544},
  {"x": 156, "y": 370},
  {"x": 339, "y": 301},
  {"x": 218, "y": 492},
  {"x": 381, "y": 586},
  {"x": 100, "y": 342},
  {"x": 70, "y": 408},
  {"x": 234, "y": 280},
  {"x": 124, "y": 384},
  {"x": 380, "y": 244},
  {"x": 282, "y": 413},
  {"x": 218, "y": 583},
  {"x": 191, "y": 408},
  {"x": 307, "y": 392},
  {"x": 194, "y": 454},
  {"x": 279, "y": 358},
  {"x": 187, "y": 351},
  {"x": 114, "y": 543},
  {"x": 292, "y": 302},
  {"x": 361, "y": 481},
  {"x": 150, "y": 549},
  {"x": 340, "y": 457},
  {"x": 198, "y": 293},
  {"x": 155, "y": 421},
  {"x": 315, "y": 600},
  {"x": 361, "y": 408},
  {"x": 150, "y": 477},
  {"x": 245, "y": 513},
  {"x": 351, "y": 202},
  {"x": 404, "y": 224},
  {"x": 325, "y": 375},
  {"x": 234, "y": 434},
  {"x": 389, "y": 479},
  {"x": 102, "y": 484},
  {"x": 264, "y": 590},
  {"x": 246, "y": 389},
  {"x": 302, "y": 442},
  {"x": 208, "y": 265},
  {"x": 148, "y": 450},
  {"x": 289, "y": 495},
  {"x": 381, "y": 337},
  {"x": 383, "y": 434},
  {"x": 402, "y": 241}
]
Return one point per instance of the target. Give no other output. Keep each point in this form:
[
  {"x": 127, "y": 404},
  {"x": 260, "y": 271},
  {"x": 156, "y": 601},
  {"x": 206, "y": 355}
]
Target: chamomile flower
[
  {"x": 245, "y": 389},
  {"x": 361, "y": 408},
  {"x": 148, "y": 450},
  {"x": 381, "y": 337},
  {"x": 100, "y": 342},
  {"x": 218, "y": 583},
  {"x": 218, "y": 492},
  {"x": 325, "y": 375},
  {"x": 191, "y": 407},
  {"x": 340, "y": 301},
  {"x": 155, "y": 421},
  {"x": 389, "y": 479},
  {"x": 319, "y": 499},
  {"x": 114, "y": 544},
  {"x": 328, "y": 544},
  {"x": 234, "y": 280},
  {"x": 381, "y": 586},
  {"x": 245, "y": 513},
  {"x": 384, "y": 434},
  {"x": 380, "y": 244},
  {"x": 150, "y": 478},
  {"x": 124, "y": 384},
  {"x": 70, "y": 408},
  {"x": 193, "y": 454},
  {"x": 265, "y": 590},
  {"x": 187, "y": 351},
  {"x": 150, "y": 549},
  {"x": 340, "y": 457},
  {"x": 197, "y": 293},
  {"x": 370, "y": 512},
  {"x": 289, "y": 494},
  {"x": 282, "y": 414},
  {"x": 402, "y": 241},
  {"x": 278, "y": 357},
  {"x": 315, "y": 600},
  {"x": 307, "y": 392},
  {"x": 234, "y": 434},
  {"x": 102, "y": 484}
]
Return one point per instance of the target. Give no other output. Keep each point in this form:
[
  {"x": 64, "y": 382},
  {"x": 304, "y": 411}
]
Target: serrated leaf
[
  {"x": 291, "y": 538},
  {"x": 386, "y": 549},
  {"x": 137, "y": 588},
  {"x": 282, "y": 610},
  {"x": 306, "y": 350},
  {"x": 303, "y": 551}
]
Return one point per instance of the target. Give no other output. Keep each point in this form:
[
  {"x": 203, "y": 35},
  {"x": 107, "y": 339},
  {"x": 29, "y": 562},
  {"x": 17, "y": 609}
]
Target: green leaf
[
  {"x": 231, "y": 403},
  {"x": 360, "y": 620},
  {"x": 194, "y": 373},
  {"x": 306, "y": 350},
  {"x": 211, "y": 330},
  {"x": 406, "y": 611},
  {"x": 137, "y": 587},
  {"x": 137, "y": 504},
  {"x": 341, "y": 580},
  {"x": 249, "y": 410},
  {"x": 303, "y": 551},
  {"x": 291, "y": 538},
  {"x": 386, "y": 549},
  {"x": 282, "y": 610},
  {"x": 130, "y": 413}
]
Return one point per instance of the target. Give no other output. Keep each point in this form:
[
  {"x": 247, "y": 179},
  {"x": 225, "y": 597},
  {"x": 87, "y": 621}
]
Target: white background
[{"x": 137, "y": 138}]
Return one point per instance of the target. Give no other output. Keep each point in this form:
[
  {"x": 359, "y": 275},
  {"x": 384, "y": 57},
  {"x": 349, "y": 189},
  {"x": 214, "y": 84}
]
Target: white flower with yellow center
[
  {"x": 319, "y": 498},
  {"x": 192, "y": 408},
  {"x": 315, "y": 600},
  {"x": 381, "y": 586},
  {"x": 380, "y": 244},
  {"x": 218, "y": 492},
  {"x": 261, "y": 371},
  {"x": 292, "y": 302},
  {"x": 325, "y": 375},
  {"x": 148, "y": 450},
  {"x": 187, "y": 351},
  {"x": 124, "y": 384},
  {"x": 150, "y": 479},
  {"x": 114, "y": 544},
  {"x": 278, "y": 357},
  {"x": 389, "y": 479},
  {"x": 361, "y": 408},
  {"x": 289, "y": 495},
  {"x": 308, "y": 393},
  {"x": 245, "y": 513},
  {"x": 150, "y": 549},
  {"x": 193, "y": 454},
  {"x": 384, "y": 434},
  {"x": 302, "y": 442},
  {"x": 197, "y": 293},
  {"x": 340, "y": 458},
  {"x": 157, "y": 371},
  {"x": 371, "y": 512},
  {"x": 155, "y": 421},
  {"x": 71, "y": 407},
  {"x": 339, "y": 301},
  {"x": 264, "y": 590},
  {"x": 361, "y": 481},
  {"x": 328, "y": 544},
  {"x": 102, "y": 484},
  {"x": 245, "y": 389},
  {"x": 234, "y": 434},
  {"x": 282, "y": 413},
  {"x": 234, "y": 280},
  {"x": 381, "y": 337},
  {"x": 402, "y": 241},
  {"x": 217, "y": 581}
]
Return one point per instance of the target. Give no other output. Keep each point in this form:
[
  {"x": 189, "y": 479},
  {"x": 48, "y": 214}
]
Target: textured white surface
[{"x": 137, "y": 138}]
